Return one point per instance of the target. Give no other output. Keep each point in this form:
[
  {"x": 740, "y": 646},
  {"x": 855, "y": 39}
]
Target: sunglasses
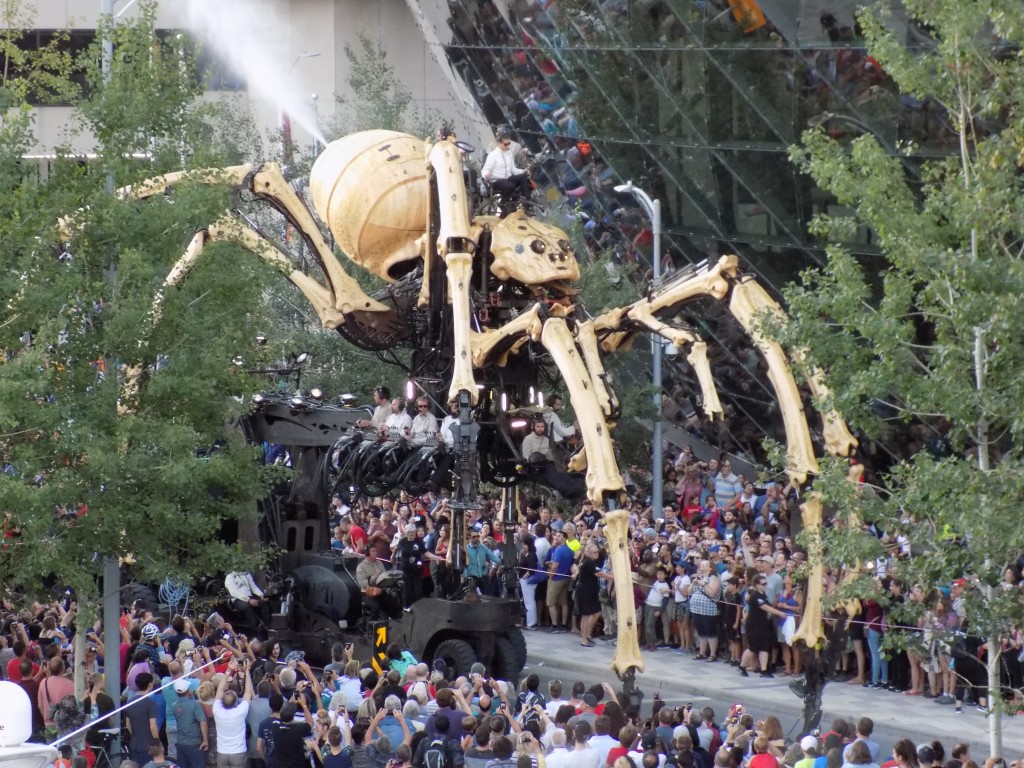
[{"x": 423, "y": 406}]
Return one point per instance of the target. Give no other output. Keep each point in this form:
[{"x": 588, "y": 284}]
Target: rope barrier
[{"x": 131, "y": 703}]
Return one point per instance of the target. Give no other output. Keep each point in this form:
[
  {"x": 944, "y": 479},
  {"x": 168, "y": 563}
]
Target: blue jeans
[
  {"x": 191, "y": 756},
  {"x": 879, "y": 665}
]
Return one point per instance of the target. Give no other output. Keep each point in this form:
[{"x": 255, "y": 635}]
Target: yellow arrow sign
[{"x": 382, "y": 636}]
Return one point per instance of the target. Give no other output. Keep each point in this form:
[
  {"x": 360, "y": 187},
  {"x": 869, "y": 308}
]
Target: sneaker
[
  {"x": 983, "y": 709},
  {"x": 767, "y": 674},
  {"x": 744, "y": 673},
  {"x": 959, "y": 710},
  {"x": 944, "y": 699}
]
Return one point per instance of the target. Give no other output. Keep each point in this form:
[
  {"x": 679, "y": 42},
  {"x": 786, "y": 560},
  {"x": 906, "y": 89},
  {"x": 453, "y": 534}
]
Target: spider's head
[{"x": 531, "y": 252}]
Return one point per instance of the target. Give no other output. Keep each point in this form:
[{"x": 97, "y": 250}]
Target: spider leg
[
  {"x": 228, "y": 229},
  {"x": 627, "y": 650},
  {"x": 455, "y": 245},
  {"x": 603, "y": 476}
]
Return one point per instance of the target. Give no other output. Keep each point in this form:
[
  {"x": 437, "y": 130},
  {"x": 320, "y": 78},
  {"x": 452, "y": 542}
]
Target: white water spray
[{"x": 247, "y": 37}]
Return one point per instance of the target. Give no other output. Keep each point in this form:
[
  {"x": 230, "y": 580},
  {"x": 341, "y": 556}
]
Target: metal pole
[
  {"x": 657, "y": 493},
  {"x": 111, "y": 572},
  {"x": 653, "y": 210}
]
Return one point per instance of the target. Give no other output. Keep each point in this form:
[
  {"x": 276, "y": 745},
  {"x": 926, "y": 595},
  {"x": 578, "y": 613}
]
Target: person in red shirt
[
  {"x": 762, "y": 757},
  {"x": 356, "y": 535},
  {"x": 627, "y": 738},
  {"x": 20, "y": 649}
]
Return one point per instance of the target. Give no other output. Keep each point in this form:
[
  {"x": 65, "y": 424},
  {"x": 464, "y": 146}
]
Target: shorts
[
  {"x": 558, "y": 592},
  {"x": 679, "y": 611},
  {"x": 706, "y": 626}
]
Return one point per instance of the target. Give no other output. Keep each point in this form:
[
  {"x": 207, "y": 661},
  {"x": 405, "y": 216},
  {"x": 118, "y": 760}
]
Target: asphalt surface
[{"x": 680, "y": 679}]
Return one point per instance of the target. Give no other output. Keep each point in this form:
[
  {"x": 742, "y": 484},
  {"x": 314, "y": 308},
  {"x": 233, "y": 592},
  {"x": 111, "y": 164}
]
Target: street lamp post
[{"x": 653, "y": 210}]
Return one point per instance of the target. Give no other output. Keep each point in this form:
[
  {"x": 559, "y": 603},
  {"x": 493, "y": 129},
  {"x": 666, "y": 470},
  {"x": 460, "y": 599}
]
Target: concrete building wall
[{"x": 297, "y": 44}]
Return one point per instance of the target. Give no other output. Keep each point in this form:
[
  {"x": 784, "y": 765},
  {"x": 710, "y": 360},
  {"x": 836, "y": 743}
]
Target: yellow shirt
[{"x": 575, "y": 545}]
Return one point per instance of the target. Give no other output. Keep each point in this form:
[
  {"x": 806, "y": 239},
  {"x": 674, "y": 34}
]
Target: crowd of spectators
[{"x": 204, "y": 695}]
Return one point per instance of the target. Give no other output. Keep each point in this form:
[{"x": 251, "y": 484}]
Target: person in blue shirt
[
  {"x": 478, "y": 558},
  {"x": 559, "y": 566}
]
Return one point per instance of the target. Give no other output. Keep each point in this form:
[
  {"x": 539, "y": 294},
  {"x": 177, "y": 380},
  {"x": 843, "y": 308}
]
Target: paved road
[{"x": 680, "y": 679}]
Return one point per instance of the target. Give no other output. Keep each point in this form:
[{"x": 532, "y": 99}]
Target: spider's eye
[{"x": 538, "y": 246}]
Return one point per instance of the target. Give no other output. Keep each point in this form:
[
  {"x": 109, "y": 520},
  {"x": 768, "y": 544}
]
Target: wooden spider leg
[
  {"x": 231, "y": 176},
  {"x": 505, "y": 339},
  {"x": 627, "y": 649},
  {"x": 603, "y": 476},
  {"x": 640, "y": 314},
  {"x": 229, "y": 229},
  {"x": 751, "y": 298},
  {"x": 748, "y": 302},
  {"x": 586, "y": 339},
  {"x": 269, "y": 183},
  {"x": 455, "y": 245}
]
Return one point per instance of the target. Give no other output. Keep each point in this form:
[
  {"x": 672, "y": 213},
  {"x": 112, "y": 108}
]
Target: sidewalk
[{"x": 914, "y": 717}]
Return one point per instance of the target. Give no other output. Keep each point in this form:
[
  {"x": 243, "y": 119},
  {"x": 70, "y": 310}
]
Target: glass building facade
[{"x": 697, "y": 102}]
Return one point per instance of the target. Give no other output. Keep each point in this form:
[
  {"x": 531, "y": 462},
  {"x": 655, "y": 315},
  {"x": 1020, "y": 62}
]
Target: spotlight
[
  {"x": 258, "y": 399},
  {"x": 533, "y": 395},
  {"x": 540, "y": 399},
  {"x": 410, "y": 389},
  {"x": 301, "y": 358},
  {"x": 504, "y": 401},
  {"x": 297, "y": 402},
  {"x": 316, "y": 393},
  {"x": 518, "y": 423},
  {"x": 261, "y": 340}
]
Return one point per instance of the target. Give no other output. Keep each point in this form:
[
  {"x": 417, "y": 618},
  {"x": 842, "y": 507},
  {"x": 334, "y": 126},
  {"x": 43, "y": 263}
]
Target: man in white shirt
[
  {"x": 381, "y": 398},
  {"x": 248, "y": 599},
  {"x": 399, "y": 423},
  {"x": 559, "y": 757},
  {"x": 501, "y": 172},
  {"x": 446, "y": 423},
  {"x": 537, "y": 442},
  {"x": 603, "y": 742},
  {"x": 583, "y": 755},
  {"x": 424, "y": 425},
  {"x": 558, "y": 432},
  {"x": 556, "y": 429},
  {"x": 229, "y": 713}
]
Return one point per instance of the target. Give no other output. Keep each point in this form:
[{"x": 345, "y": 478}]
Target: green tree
[
  {"x": 379, "y": 99},
  {"x": 928, "y": 352},
  {"x": 165, "y": 478}
]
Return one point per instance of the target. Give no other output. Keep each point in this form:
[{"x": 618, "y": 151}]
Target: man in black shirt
[
  {"x": 409, "y": 555},
  {"x": 289, "y": 737}
]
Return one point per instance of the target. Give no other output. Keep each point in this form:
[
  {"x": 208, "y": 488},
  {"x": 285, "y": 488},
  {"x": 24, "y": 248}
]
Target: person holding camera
[{"x": 229, "y": 713}]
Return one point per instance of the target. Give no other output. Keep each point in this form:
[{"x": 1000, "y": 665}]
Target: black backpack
[{"x": 437, "y": 754}]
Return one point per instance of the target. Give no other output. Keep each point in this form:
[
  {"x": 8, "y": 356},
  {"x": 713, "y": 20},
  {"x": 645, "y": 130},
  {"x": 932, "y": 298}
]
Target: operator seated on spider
[
  {"x": 540, "y": 457},
  {"x": 502, "y": 173}
]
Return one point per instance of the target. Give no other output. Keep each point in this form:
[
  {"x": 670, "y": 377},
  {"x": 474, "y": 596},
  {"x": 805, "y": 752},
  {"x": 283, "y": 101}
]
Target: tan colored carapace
[{"x": 377, "y": 190}]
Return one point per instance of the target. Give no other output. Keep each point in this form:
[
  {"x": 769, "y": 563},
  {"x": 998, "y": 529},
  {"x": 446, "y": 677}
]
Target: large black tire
[
  {"x": 518, "y": 640},
  {"x": 141, "y": 593},
  {"x": 506, "y": 664},
  {"x": 457, "y": 654}
]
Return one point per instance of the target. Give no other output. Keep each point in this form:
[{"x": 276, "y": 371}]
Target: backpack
[
  {"x": 527, "y": 700},
  {"x": 436, "y": 755}
]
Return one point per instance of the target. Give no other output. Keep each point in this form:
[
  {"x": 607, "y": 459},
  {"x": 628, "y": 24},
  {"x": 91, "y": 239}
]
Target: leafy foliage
[
  {"x": 379, "y": 98},
  {"x": 925, "y": 356},
  {"x": 167, "y": 480}
]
